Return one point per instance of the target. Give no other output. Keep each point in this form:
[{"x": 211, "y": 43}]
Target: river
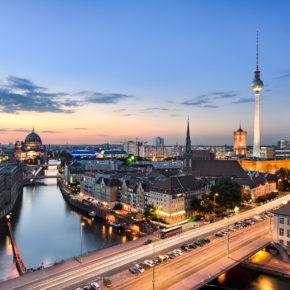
[{"x": 47, "y": 229}]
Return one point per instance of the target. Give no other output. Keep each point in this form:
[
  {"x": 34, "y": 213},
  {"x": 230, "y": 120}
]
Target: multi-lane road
[{"x": 113, "y": 263}]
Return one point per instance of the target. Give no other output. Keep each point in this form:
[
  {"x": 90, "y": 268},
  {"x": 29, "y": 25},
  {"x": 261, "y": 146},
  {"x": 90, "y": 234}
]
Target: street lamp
[
  {"x": 228, "y": 240},
  {"x": 214, "y": 197},
  {"x": 82, "y": 224},
  {"x": 153, "y": 279}
]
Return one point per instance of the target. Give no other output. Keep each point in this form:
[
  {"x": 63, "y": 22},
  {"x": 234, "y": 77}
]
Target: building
[
  {"x": 267, "y": 152},
  {"x": 187, "y": 156},
  {"x": 31, "y": 149},
  {"x": 240, "y": 143},
  {"x": 159, "y": 141},
  {"x": 257, "y": 86},
  {"x": 112, "y": 154},
  {"x": 281, "y": 231},
  {"x": 10, "y": 186},
  {"x": 282, "y": 154},
  {"x": 283, "y": 144}
]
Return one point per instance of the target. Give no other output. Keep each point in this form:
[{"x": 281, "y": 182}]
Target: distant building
[
  {"x": 30, "y": 149},
  {"x": 283, "y": 144},
  {"x": 282, "y": 154},
  {"x": 281, "y": 232},
  {"x": 240, "y": 143},
  {"x": 267, "y": 152},
  {"x": 159, "y": 141},
  {"x": 112, "y": 154}
]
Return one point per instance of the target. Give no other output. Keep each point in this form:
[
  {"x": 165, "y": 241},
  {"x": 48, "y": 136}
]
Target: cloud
[
  {"x": 244, "y": 101},
  {"x": 127, "y": 115},
  {"x": 210, "y": 106},
  {"x": 102, "y": 135},
  {"x": 20, "y": 94},
  {"x": 79, "y": 128},
  {"x": 50, "y": 132},
  {"x": 174, "y": 115},
  {"x": 21, "y": 130},
  {"x": 100, "y": 98},
  {"x": 284, "y": 76},
  {"x": 205, "y": 100},
  {"x": 120, "y": 110}
]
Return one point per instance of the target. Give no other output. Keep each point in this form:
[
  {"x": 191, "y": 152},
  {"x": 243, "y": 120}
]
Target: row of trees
[
  {"x": 225, "y": 194},
  {"x": 284, "y": 176}
]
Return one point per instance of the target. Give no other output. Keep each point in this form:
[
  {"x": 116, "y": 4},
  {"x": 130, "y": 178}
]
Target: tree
[
  {"x": 150, "y": 212},
  {"x": 229, "y": 192},
  {"x": 283, "y": 182},
  {"x": 246, "y": 195},
  {"x": 117, "y": 206},
  {"x": 202, "y": 205}
]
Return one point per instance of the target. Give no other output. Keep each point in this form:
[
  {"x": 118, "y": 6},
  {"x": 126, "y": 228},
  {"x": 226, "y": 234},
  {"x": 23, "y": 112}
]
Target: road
[{"x": 89, "y": 271}]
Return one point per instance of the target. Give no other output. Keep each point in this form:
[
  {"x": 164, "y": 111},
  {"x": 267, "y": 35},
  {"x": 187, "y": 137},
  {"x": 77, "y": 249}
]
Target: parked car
[
  {"x": 87, "y": 287},
  {"x": 95, "y": 286},
  {"x": 138, "y": 267},
  {"x": 184, "y": 248},
  {"x": 134, "y": 271},
  {"x": 147, "y": 242},
  {"x": 149, "y": 263},
  {"x": 192, "y": 246}
]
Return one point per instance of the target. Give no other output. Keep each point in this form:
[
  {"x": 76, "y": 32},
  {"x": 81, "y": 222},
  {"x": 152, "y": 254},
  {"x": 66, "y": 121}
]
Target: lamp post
[
  {"x": 228, "y": 240},
  {"x": 82, "y": 224},
  {"x": 153, "y": 279}
]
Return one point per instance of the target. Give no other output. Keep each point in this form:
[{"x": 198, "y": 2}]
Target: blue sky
[{"x": 125, "y": 69}]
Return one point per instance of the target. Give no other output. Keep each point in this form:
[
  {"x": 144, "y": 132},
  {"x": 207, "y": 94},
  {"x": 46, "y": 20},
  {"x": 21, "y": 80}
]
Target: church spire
[{"x": 188, "y": 141}]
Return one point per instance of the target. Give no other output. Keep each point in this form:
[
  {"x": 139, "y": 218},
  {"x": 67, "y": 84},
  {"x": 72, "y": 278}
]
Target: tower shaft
[{"x": 256, "y": 148}]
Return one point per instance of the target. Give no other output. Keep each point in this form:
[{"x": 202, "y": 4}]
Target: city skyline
[{"x": 97, "y": 73}]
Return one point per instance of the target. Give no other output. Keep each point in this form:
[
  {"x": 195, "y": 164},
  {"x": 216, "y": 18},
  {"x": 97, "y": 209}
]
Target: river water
[{"x": 47, "y": 229}]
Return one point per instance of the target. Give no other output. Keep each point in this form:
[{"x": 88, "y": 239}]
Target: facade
[
  {"x": 159, "y": 141},
  {"x": 30, "y": 149},
  {"x": 240, "y": 143},
  {"x": 112, "y": 154},
  {"x": 282, "y": 154},
  {"x": 281, "y": 232},
  {"x": 267, "y": 152},
  {"x": 10, "y": 186}
]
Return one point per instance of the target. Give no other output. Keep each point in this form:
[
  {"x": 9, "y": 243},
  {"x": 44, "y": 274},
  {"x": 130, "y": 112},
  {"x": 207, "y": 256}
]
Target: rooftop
[{"x": 283, "y": 210}]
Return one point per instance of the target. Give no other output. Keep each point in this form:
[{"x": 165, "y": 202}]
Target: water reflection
[{"x": 47, "y": 229}]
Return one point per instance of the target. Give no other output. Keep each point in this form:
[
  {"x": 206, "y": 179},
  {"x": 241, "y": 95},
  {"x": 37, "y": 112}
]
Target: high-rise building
[
  {"x": 159, "y": 141},
  {"x": 240, "y": 143},
  {"x": 257, "y": 86}
]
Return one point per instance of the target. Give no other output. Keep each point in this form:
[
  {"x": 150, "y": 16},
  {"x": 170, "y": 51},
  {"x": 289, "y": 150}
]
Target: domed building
[{"x": 30, "y": 149}]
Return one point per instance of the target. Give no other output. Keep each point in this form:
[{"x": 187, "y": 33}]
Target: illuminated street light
[
  {"x": 153, "y": 279},
  {"x": 82, "y": 224},
  {"x": 228, "y": 240},
  {"x": 214, "y": 197}
]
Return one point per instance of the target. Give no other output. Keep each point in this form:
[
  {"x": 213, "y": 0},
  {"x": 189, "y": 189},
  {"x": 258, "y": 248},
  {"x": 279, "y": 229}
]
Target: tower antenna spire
[{"x": 257, "y": 66}]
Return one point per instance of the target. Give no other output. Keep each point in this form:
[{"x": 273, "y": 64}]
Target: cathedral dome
[{"x": 33, "y": 137}]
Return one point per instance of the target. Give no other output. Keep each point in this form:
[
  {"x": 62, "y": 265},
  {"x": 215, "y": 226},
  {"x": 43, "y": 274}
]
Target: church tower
[
  {"x": 187, "y": 156},
  {"x": 240, "y": 143}
]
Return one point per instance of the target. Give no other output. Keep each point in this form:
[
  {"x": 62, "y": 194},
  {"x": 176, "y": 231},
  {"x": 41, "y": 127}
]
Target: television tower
[{"x": 257, "y": 86}]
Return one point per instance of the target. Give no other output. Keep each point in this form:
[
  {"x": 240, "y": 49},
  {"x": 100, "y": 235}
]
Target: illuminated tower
[
  {"x": 240, "y": 143},
  {"x": 257, "y": 86}
]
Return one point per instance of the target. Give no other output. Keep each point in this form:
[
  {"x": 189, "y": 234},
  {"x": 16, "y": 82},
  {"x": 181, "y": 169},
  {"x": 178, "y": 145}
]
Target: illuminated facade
[
  {"x": 240, "y": 143},
  {"x": 30, "y": 149}
]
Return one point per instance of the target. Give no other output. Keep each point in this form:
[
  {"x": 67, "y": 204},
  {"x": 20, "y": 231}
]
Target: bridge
[{"x": 192, "y": 270}]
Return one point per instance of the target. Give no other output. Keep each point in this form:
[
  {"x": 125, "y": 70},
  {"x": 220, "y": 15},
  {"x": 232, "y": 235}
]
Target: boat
[{"x": 92, "y": 214}]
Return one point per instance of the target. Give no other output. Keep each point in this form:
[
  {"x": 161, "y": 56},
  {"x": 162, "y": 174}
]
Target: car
[
  {"x": 171, "y": 255},
  {"x": 147, "y": 242},
  {"x": 184, "y": 248},
  {"x": 192, "y": 246},
  {"x": 166, "y": 257},
  {"x": 138, "y": 267},
  {"x": 95, "y": 286},
  {"x": 177, "y": 252},
  {"x": 149, "y": 263},
  {"x": 133, "y": 270},
  {"x": 195, "y": 226},
  {"x": 87, "y": 287},
  {"x": 156, "y": 261}
]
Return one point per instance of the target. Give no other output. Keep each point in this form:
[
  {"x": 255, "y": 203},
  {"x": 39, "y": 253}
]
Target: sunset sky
[{"x": 90, "y": 72}]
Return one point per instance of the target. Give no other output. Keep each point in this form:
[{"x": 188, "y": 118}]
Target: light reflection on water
[{"x": 47, "y": 229}]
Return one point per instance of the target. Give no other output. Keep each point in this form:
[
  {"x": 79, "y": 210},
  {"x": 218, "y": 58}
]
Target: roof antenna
[{"x": 257, "y": 66}]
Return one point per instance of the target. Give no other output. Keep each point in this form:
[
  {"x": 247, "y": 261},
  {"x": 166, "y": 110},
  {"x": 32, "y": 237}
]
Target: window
[
  {"x": 281, "y": 242},
  {"x": 288, "y": 222},
  {"x": 288, "y": 243},
  {"x": 288, "y": 233},
  {"x": 282, "y": 220},
  {"x": 281, "y": 232}
]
